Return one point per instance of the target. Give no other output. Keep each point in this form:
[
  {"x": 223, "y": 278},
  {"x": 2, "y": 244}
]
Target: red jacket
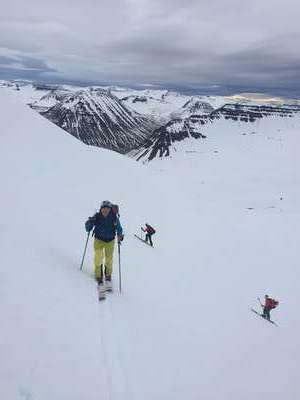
[{"x": 270, "y": 303}]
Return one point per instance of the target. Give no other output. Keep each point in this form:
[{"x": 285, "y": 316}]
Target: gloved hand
[
  {"x": 120, "y": 238},
  {"x": 89, "y": 224}
]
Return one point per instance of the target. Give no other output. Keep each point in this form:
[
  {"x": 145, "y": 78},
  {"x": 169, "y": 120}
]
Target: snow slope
[
  {"x": 231, "y": 119},
  {"x": 182, "y": 328}
]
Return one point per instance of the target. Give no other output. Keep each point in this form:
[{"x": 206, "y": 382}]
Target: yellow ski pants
[{"x": 103, "y": 250}]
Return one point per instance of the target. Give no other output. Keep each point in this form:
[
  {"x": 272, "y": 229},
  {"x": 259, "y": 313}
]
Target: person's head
[
  {"x": 105, "y": 208},
  {"x": 266, "y": 296}
]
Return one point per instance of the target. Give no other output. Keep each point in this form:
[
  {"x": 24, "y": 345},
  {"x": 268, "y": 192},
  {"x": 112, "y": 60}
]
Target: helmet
[{"x": 106, "y": 203}]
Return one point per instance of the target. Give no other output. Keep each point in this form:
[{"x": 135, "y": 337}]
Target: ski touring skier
[
  {"x": 150, "y": 231},
  {"x": 106, "y": 225},
  {"x": 269, "y": 305}
]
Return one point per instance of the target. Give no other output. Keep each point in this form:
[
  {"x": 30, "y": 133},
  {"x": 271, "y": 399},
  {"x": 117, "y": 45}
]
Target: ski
[
  {"x": 108, "y": 287},
  {"x": 260, "y": 315},
  {"x": 142, "y": 240},
  {"x": 101, "y": 292}
]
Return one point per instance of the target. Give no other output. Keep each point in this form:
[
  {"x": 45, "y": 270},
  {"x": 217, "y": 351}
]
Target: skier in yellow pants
[
  {"x": 106, "y": 225},
  {"x": 103, "y": 251}
]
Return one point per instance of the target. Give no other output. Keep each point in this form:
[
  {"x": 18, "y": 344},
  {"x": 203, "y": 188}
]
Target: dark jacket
[
  {"x": 105, "y": 229},
  {"x": 149, "y": 229}
]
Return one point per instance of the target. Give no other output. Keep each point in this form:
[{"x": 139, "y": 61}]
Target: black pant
[
  {"x": 148, "y": 238},
  {"x": 266, "y": 313}
]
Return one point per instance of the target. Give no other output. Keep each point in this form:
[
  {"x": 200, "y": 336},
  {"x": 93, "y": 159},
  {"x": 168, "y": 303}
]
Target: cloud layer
[{"x": 192, "y": 43}]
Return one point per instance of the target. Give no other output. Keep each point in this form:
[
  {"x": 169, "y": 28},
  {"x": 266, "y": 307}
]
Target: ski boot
[{"x": 108, "y": 283}]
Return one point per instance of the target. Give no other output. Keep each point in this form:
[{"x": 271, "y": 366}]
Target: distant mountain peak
[{"x": 197, "y": 106}]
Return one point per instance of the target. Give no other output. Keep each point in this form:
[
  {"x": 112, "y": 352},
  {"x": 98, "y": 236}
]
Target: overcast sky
[{"x": 193, "y": 43}]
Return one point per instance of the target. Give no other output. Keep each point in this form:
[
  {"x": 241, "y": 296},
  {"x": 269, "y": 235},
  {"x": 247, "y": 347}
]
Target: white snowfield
[{"x": 228, "y": 228}]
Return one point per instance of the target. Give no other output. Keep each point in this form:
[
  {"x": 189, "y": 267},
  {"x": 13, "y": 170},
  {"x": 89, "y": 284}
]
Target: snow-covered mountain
[
  {"x": 29, "y": 92},
  {"x": 197, "y": 107},
  {"x": 98, "y": 118},
  {"x": 238, "y": 118},
  {"x": 149, "y": 123},
  {"x": 164, "y": 105},
  {"x": 50, "y": 99},
  {"x": 251, "y": 113},
  {"x": 160, "y": 143}
]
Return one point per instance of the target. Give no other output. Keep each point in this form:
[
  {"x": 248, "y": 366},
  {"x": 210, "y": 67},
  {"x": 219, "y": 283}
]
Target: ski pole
[
  {"x": 260, "y": 302},
  {"x": 120, "y": 276},
  {"x": 87, "y": 239}
]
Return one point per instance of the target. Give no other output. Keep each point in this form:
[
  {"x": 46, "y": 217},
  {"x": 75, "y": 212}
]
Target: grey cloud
[
  {"x": 15, "y": 73},
  {"x": 33, "y": 63},
  {"x": 159, "y": 47},
  {"x": 28, "y": 67},
  {"x": 7, "y": 60},
  {"x": 192, "y": 43}
]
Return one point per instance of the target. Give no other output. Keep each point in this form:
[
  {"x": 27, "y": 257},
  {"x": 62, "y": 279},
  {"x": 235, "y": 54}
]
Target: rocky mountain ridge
[
  {"x": 147, "y": 123},
  {"x": 98, "y": 118},
  {"x": 240, "y": 116}
]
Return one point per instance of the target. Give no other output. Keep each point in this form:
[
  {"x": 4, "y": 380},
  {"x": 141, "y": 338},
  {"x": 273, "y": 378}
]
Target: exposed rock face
[
  {"x": 98, "y": 118},
  {"x": 162, "y": 139},
  {"x": 195, "y": 106}
]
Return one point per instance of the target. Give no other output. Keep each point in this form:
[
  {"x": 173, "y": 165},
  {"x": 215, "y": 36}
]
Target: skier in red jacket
[
  {"x": 269, "y": 305},
  {"x": 149, "y": 232}
]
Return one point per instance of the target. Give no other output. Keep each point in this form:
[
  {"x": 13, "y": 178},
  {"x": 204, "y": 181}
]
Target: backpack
[
  {"x": 115, "y": 210},
  {"x": 151, "y": 229},
  {"x": 273, "y": 303}
]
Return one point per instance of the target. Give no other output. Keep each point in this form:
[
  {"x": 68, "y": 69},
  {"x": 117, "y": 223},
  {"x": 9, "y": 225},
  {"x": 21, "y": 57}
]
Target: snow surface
[
  {"x": 226, "y": 212},
  {"x": 29, "y": 94}
]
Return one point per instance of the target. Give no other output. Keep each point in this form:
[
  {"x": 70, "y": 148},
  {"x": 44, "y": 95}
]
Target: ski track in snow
[
  {"x": 103, "y": 349},
  {"x": 115, "y": 362}
]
